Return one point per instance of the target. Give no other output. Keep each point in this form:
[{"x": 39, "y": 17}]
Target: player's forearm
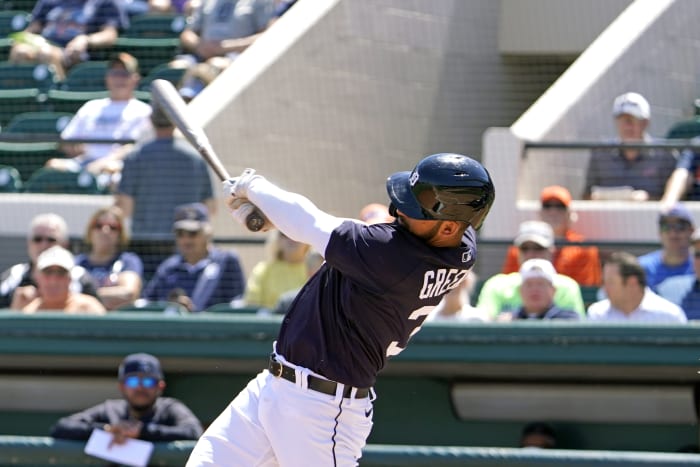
[{"x": 293, "y": 214}]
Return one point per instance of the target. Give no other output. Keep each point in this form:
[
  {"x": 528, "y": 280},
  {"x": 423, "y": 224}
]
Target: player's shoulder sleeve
[
  {"x": 568, "y": 294},
  {"x": 368, "y": 253}
]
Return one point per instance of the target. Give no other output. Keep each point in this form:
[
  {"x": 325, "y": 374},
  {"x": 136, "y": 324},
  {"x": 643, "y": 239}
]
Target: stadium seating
[
  {"x": 23, "y": 88},
  {"x": 162, "y": 71},
  {"x": 85, "y": 81},
  {"x": 10, "y": 180},
  {"x": 150, "y": 26},
  {"x": 153, "y": 39},
  {"x": 142, "y": 306},
  {"x": 47, "y": 180},
  {"x": 11, "y": 21},
  {"x": 228, "y": 308},
  {"x": 28, "y": 155},
  {"x": 39, "y": 122}
]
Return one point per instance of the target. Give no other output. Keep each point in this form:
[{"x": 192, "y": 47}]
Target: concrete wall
[{"x": 339, "y": 94}]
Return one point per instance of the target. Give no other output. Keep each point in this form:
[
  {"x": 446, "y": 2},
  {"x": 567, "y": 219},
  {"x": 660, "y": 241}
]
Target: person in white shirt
[
  {"x": 120, "y": 116},
  {"x": 629, "y": 298}
]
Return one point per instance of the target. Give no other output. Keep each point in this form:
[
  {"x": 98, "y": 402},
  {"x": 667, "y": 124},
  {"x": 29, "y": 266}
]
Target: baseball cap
[
  {"x": 127, "y": 60},
  {"x": 55, "y": 256},
  {"x": 556, "y": 193},
  {"x": 633, "y": 104},
  {"x": 192, "y": 216},
  {"x": 537, "y": 232},
  {"x": 140, "y": 363},
  {"x": 537, "y": 269},
  {"x": 678, "y": 211}
]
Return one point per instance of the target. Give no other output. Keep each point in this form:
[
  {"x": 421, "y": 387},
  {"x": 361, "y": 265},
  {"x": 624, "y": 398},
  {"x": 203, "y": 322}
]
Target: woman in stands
[{"x": 117, "y": 272}]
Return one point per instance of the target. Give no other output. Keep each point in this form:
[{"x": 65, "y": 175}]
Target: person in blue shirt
[
  {"x": 204, "y": 274},
  {"x": 675, "y": 228},
  {"x": 117, "y": 272}
]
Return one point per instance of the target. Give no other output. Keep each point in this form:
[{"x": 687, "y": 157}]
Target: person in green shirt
[{"x": 501, "y": 292}]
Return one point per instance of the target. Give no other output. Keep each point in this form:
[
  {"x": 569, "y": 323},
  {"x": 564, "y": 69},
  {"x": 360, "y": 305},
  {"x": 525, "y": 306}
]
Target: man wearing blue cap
[
  {"x": 198, "y": 274},
  {"x": 676, "y": 226},
  {"x": 141, "y": 414}
]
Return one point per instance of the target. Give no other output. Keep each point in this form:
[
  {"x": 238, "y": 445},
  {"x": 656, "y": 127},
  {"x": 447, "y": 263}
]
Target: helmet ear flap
[{"x": 392, "y": 209}]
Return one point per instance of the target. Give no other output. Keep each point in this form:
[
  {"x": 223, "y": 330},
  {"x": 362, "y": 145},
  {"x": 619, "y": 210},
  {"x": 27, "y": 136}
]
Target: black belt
[{"x": 317, "y": 384}]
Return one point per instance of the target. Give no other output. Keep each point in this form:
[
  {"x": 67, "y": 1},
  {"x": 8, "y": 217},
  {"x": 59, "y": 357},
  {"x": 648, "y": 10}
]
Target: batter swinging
[{"x": 312, "y": 406}]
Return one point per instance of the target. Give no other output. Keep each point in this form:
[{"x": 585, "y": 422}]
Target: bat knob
[{"x": 255, "y": 221}]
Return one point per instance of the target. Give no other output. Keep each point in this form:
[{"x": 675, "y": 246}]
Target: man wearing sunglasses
[
  {"x": 141, "y": 414},
  {"x": 673, "y": 259},
  {"x": 45, "y": 231},
  {"x": 207, "y": 275}
]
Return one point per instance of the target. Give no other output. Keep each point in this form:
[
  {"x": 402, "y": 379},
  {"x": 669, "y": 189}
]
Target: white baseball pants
[{"x": 274, "y": 422}]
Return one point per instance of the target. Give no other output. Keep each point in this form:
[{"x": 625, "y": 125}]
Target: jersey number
[{"x": 394, "y": 348}]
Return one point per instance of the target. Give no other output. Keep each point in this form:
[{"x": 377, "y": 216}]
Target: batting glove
[
  {"x": 241, "y": 210},
  {"x": 237, "y": 187}
]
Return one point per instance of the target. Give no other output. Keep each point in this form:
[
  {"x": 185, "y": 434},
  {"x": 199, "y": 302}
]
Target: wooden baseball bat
[{"x": 168, "y": 99}]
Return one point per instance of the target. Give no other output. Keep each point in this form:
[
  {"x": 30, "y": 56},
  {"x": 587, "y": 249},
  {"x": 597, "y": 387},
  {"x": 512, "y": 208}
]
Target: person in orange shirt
[{"x": 578, "y": 262}]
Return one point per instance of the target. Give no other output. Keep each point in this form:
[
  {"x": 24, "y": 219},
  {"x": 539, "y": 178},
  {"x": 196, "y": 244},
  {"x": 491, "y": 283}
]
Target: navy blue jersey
[{"x": 377, "y": 286}]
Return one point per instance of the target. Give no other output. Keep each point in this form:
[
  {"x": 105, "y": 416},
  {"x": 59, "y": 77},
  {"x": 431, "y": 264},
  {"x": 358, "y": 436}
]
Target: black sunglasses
[{"x": 42, "y": 238}]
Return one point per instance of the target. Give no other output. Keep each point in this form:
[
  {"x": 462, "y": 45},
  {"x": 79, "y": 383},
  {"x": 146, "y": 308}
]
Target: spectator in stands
[
  {"x": 580, "y": 263},
  {"x": 674, "y": 258},
  {"x": 207, "y": 274},
  {"x": 53, "y": 279},
  {"x": 120, "y": 116},
  {"x": 537, "y": 294},
  {"x": 501, "y": 292},
  {"x": 375, "y": 213},
  {"x": 45, "y": 231},
  {"x": 217, "y": 33},
  {"x": 284, "y": 269},
  {"x": 684, "y": 289},
  {"x": 143, "y": 413},
  {"x": 456, "y": 305},
  {"x": 144, "y": 7},
  {"x": 149, "y": 201},
  {"x": 538, "y": 435},
  {"x": 61, "y": 34},
  {"x": 117, "y": 272},
  {"x": 629, "y": 297},
  {"x": 645, "y": 171},
  {"x": 683, "y": 183},
  {"x": 313, "y": 262}
]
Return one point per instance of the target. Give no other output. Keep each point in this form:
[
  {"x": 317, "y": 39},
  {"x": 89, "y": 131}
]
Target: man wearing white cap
[
  {"x": 53, "y": 280},
  {"x": 501, "y": 292},
  {"x": 640, "y": 174},
  {"x": 537, "y": 293}
]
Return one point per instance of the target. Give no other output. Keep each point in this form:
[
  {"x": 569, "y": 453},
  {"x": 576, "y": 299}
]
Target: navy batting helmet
[{"x": 443, "y": 187}]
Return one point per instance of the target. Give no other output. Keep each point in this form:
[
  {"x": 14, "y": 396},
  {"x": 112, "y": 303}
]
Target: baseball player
[{"x": 312, "y": 406}]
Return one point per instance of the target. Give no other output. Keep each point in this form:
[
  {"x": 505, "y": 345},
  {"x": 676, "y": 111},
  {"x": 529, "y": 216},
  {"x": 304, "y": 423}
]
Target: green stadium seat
[
  {"x": 153, "y": 39},
  {"x": 142, "y": 305},
  {"x": 85, "y": 81},
  {"x": 26, "y": 155},
  {"x": 11, "y": 21},
  {"x": 10, "y": 180},
  {"x": 228, "y": 308},
  {"x": 686, "y": 129},
  {"x": 151, "y": 26},
  {"x": 23, "y": 88},
  {"x": 162, "y": 71},
  {"x": 39, "y": 122},
  {"x": 47, "y": 180},
  {"x": 23, "y": 5}
]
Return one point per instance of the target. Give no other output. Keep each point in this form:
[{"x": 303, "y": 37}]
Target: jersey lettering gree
[{"x": 374, "y": 291}]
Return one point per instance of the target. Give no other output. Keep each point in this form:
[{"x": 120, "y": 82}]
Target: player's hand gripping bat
[{"x": 168, "y": 99}]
